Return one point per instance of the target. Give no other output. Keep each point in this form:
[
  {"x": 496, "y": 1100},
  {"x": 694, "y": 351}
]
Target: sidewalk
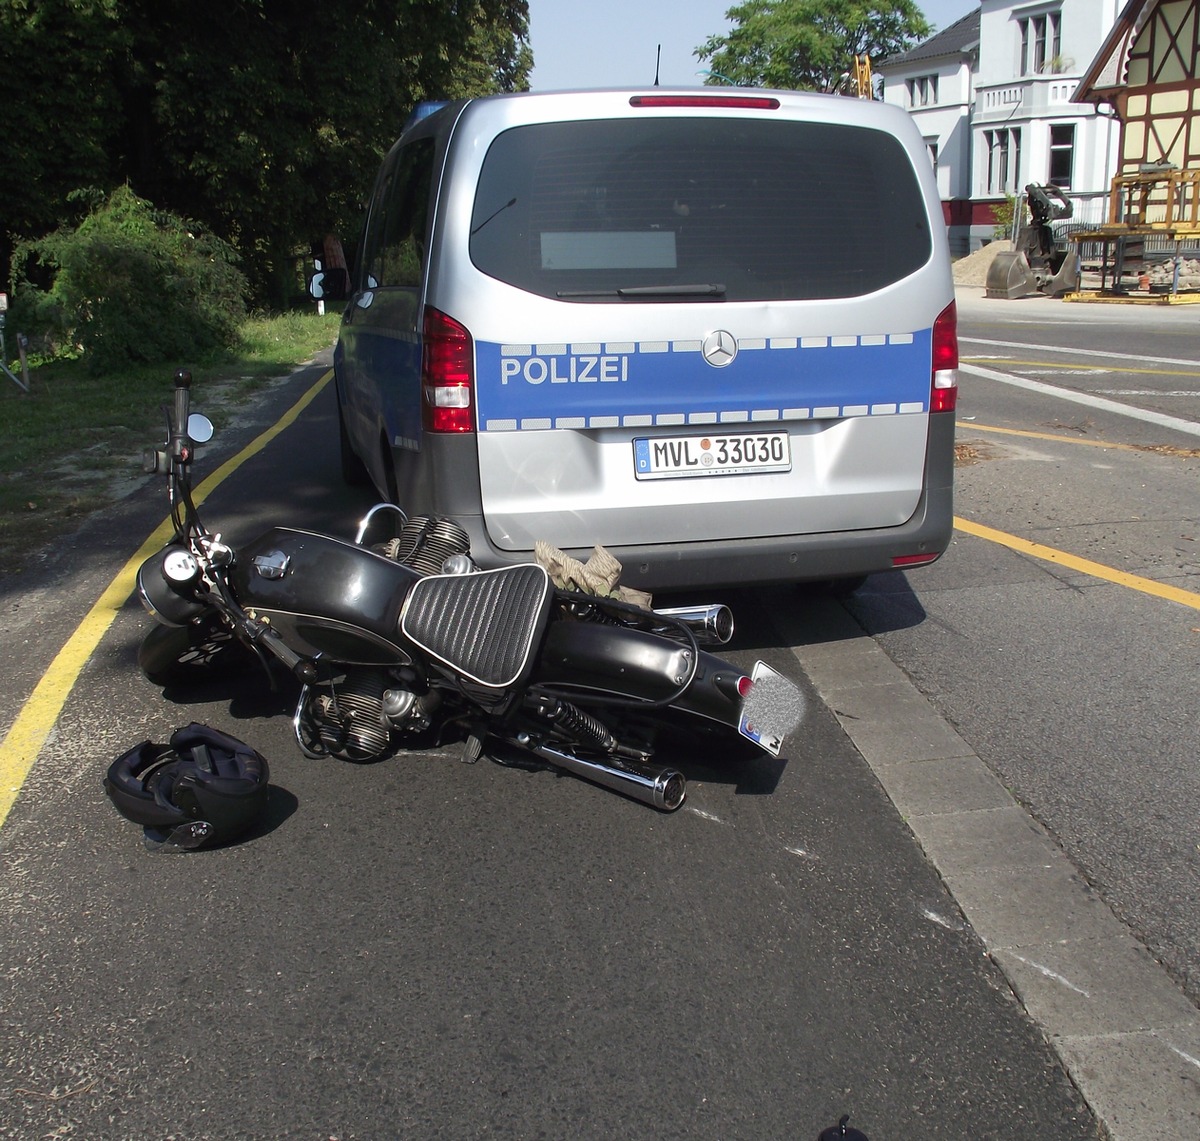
[{"x": 1127, "y": 1036}]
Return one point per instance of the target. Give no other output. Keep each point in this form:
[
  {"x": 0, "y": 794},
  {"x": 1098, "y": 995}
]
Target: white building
[{"x": 991, "y": 95}]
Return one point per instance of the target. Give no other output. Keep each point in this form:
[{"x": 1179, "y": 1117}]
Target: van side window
[{"x": 397, "y": 236}]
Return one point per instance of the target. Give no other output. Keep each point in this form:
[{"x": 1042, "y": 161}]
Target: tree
[
  {"x": 59, "y": 104},
  {"x": 264, "y": 120},
  {"x": 135, "y": 285},
  {"x": 809, "y": 44}
]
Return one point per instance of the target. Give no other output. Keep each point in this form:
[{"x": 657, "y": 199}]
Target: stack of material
[{"x": 1163, "y": 274}]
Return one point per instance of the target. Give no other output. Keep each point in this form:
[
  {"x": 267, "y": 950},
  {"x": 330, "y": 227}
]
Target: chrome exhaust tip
[
  {"x": 664, "y": 789},
  {"x": 712, "y": 624}
]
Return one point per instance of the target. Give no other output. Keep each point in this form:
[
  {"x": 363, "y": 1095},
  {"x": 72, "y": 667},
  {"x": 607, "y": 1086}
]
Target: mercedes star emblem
[{"x": 720, "y": 348}]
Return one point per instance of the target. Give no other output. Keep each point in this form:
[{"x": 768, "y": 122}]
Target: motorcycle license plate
[
  {"x": 740, "y": 453},
  {"x": 768, "y": 714}
]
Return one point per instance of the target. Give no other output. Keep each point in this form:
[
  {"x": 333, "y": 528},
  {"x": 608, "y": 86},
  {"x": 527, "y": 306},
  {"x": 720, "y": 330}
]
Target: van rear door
[{"x": 699, "y": 323}]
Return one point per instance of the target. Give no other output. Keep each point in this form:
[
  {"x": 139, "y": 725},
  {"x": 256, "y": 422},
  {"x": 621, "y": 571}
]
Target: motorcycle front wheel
[{"x": 173, "y": 654}]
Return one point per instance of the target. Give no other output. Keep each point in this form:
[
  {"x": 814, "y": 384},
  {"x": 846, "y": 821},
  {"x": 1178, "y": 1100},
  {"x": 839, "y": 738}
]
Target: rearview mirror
[{"x": 199, "y": 428}]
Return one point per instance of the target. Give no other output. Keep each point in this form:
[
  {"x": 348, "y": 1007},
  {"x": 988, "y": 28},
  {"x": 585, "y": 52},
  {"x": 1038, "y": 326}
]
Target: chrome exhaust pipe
[
  {"x": 712, "y": 624},
  {"x": 663, "y": 789},
  {"x": 364, "y": 524}
]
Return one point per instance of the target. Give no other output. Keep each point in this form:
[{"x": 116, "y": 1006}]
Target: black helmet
[{"x": 205, "y": 787}]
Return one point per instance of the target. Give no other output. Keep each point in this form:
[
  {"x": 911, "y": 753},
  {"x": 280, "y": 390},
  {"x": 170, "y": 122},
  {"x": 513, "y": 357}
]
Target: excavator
[{"x": 1040, "y": 261}]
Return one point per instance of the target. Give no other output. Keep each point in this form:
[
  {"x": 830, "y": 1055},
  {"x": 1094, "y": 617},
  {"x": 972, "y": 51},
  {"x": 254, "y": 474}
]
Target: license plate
[
  {"x": 670, "y": 457},
  {"x": 774, "y": 708}
]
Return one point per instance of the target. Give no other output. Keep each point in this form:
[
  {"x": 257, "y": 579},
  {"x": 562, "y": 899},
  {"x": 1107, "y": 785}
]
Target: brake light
[
  {"x": 943, "y": 392},
  {"x": 753, "y": 102},
  {"x": 447, "y": 374}
]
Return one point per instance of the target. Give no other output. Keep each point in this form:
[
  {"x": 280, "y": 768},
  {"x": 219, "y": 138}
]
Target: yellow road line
[
  {"x": 1079, "y": 366},
  {"x": 24, "y": 741},
  {"x": 1084, "y": 566},
  {"x": 1056, "y": 437}
]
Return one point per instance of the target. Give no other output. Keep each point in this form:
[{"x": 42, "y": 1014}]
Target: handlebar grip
[
  {"x": 180, "y": 451},
  {"x": 301, "y": 668}
]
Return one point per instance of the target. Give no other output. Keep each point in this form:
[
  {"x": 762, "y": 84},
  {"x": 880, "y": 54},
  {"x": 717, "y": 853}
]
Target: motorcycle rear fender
[{"x": 593, "y": 658}]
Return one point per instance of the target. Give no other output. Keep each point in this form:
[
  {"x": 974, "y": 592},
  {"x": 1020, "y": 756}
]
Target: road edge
[{"x": 1125, "y": 1033}]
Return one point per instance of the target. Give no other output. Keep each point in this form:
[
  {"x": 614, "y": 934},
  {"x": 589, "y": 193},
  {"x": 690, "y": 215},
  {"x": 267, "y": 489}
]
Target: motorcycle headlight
[{"x": 166, "y": 585}]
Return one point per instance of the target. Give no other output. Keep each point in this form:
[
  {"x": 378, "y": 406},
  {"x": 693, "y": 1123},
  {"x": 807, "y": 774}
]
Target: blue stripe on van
[{"x": 524, "y": 387}]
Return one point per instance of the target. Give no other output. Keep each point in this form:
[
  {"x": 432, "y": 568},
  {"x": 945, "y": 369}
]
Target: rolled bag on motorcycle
[{"x": 345, "y": 602}]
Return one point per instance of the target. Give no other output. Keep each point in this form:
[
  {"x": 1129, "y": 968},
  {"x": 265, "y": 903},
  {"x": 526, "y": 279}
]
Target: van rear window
[{"x": 750, "y": 210}]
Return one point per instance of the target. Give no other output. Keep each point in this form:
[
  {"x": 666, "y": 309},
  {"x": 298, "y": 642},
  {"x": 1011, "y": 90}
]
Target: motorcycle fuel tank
[{"x": 325, "y": 596}]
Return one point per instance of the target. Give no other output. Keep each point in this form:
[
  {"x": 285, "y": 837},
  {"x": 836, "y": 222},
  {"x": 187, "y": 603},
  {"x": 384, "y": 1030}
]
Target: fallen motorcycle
[{"x": 407, "y": 640}]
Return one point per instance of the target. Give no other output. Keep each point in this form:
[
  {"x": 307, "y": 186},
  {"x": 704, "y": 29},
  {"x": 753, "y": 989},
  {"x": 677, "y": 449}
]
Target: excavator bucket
[
  {"x": 1010, "y": 276},
  {"x": 1067, "y": 279}
]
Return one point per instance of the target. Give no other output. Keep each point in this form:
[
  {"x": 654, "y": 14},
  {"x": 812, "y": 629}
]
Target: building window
[
  {"x": 998, "y": 176},
  {"x": 931, "y": 145},
  {"x": 922, "y": 91},
  {"x": 1062, "y": 154},
  {"x": 1003, "y": 160},
  {"x": 1041, "y": 43}
]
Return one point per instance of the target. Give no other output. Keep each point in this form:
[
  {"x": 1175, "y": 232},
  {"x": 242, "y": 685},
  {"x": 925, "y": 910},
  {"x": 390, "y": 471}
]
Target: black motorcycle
[{"x": 407, "y": 641}]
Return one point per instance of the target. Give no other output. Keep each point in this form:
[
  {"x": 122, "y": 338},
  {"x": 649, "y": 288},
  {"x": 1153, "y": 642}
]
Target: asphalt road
[
  {"x": 1060, "y": 639},
  {"x": 1080, "y": 694},
  {"x": 421, "y": 948}
]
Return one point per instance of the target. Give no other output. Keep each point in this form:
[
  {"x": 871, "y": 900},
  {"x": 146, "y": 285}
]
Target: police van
[{"x": 712, "y": 330}]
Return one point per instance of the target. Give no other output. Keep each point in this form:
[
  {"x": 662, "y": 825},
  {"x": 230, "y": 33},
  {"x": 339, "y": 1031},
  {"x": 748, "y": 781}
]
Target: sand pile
[{"x": 973, "y": 269}]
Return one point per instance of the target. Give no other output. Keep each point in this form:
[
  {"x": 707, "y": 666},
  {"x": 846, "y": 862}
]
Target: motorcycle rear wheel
[{"x": 172, "y": 654}]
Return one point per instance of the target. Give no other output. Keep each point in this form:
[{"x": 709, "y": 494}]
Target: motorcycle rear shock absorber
[{"x": 573, "y": 723}]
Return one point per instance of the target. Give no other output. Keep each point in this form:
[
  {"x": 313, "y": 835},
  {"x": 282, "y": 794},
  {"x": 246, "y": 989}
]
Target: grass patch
[{"x": 66, "y": 448}]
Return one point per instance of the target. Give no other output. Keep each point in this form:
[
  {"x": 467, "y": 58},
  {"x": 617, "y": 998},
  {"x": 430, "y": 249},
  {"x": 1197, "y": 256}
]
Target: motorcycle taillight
[
  {"x": 943, "y": 392},
  {"x": 447, "y": 374}
]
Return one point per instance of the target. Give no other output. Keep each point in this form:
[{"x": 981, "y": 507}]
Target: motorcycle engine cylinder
[
  {"x": 427, "y": 541},
  {"x": 355, "y": 726}
]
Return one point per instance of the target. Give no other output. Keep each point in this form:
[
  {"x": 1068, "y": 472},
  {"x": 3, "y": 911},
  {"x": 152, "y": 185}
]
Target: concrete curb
[{"x": 1125, "y": 1033}]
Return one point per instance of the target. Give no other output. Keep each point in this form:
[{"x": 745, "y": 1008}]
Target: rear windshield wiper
[{"x": 700, "y": 289}]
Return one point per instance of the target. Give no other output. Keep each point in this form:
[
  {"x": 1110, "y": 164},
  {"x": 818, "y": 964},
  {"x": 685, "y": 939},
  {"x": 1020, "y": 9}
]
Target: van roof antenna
[{"x": 657, "y": 61}]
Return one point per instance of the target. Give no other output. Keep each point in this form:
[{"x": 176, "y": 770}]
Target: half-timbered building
[{"x": 1148, "y": 74}]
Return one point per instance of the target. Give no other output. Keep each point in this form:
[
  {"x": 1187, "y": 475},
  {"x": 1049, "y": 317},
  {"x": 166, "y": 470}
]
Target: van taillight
[
  {"x": 943, "y": 393},
  {"x": 447, "y": 374}
]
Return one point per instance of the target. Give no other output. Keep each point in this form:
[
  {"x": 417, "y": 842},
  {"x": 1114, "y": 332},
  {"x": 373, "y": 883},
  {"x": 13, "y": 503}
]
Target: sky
[{"x": 613, "y": 43}]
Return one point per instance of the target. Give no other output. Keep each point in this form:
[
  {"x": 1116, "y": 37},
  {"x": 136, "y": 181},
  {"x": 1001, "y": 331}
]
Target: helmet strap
[{"x": 181, "y": 838}]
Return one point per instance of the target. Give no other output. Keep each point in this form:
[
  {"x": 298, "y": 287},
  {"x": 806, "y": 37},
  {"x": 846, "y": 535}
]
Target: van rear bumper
[{"x": 779, "y": 558}]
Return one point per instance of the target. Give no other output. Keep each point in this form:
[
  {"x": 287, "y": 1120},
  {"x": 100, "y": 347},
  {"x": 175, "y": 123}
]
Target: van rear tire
[
  {"x": 842, "y": 587},
  {"x": 845, "y": 587},
  {"x": 354, "y": 471}
]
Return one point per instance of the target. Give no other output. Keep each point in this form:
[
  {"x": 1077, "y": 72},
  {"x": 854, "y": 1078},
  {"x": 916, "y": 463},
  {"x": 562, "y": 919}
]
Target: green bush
[
  {"x": 1003, "y": 214},
  {"x": 134, "y": 285}
]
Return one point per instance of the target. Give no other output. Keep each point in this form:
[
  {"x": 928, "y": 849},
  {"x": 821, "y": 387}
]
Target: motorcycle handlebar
[
  {"x": 179, "y": 444},
  {"x": 300, "y": 668}
]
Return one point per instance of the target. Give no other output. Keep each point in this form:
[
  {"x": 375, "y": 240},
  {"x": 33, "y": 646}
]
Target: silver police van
[{"x": 712, "y": 330}]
